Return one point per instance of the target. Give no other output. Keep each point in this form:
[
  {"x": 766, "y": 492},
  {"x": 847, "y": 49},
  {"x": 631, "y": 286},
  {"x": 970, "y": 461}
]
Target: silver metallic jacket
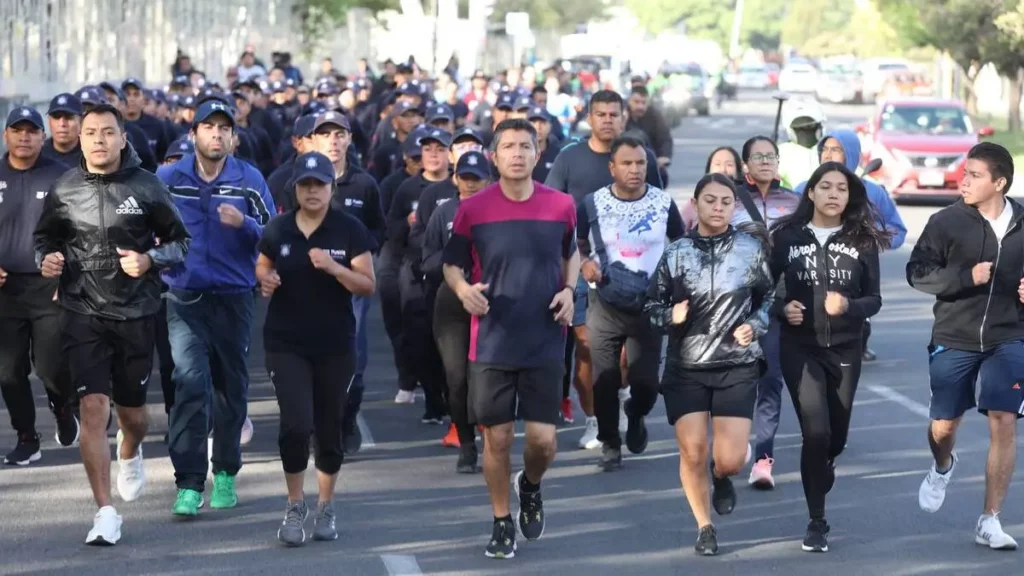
[{"x": 728, "y": 283}]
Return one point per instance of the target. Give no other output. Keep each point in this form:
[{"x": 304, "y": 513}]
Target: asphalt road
[{"x": 403, "y": 510}]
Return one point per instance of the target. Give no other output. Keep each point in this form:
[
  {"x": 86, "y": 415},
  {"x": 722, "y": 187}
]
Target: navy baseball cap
[
  {"x": 188, "y": 102},
  {"x": 314, "y": 107},
  {"x": 505, "y": 102},
  {"x": 538, "y": 113},
  {"x": 65, "y": 104},
  {"x": 440, "y": 112},
  {"x": 181, "y": 80},
  {"x": 277, "y": 87},
  {"x": 405, "y": 106},
  {"x": 522, "y": 103},
  {"x": 327, "y": 89},
  {"x": 108, "y": 87},
  {"x": 134, "y": 82},
  {"x": 304, "y": 126},
  {"x": 180, "y": 147},
  {"x": 411, "y": 146},
  {"x": 156, "y": 95},
  {"x": 211, "y": 107},
  {"x": 92, "y": 96},
  {"x": 437, "y": 135},
  {"x": 473, "y": 164},
  {"x": 25, "y": 114},
  {"x": 332, "y": 118},
  {"x": 313, "y": 165},
  {"x": 407, "y": 89},
  {"x": 468, "y": 133}
]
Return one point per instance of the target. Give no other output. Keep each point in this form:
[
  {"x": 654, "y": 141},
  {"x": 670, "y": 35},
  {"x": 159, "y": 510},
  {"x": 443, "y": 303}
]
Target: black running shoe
[
  {"x": 67, "y": 427},
  {"x": 636, "y": 433},
  {"x": 611, "y": 458},
  {"x": 723, "y": 498},
  {"x": 467, "y": 459},
  {"x": 431, "y": 418},
  {"x": 531, "y": 510},
  {"x": 25, "y": 452},
  {"x": 817, "y": 536},
  {"x": 503, "y": 541},
  {"x": 707, "y": 541},
  {"x": 351, "y": 438},
  {"x": 830, "y": 480}
]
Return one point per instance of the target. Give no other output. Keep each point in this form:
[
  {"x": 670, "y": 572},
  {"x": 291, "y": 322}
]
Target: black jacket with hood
[
  {"x": 969, "y": 317},
  {"x": 88, "y": 216},
  {"x": 810, "y": 271}
]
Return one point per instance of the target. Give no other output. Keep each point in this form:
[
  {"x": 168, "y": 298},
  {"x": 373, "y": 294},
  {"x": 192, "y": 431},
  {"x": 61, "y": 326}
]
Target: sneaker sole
[
  {"x": 706, "y": 552},
  {"x": 762, "y": 484},
  {"x": 814, "y": 549},
  {"x": 100, "y": 542},
  {"x": 982, "y": 542},
  {"x": 33, "y": 458},
  {"x": 322, "y": 538},
  {"x": 78, "y": 432},
  {"x": 222, "y": 506},
  {"x": 188, "y": 513},
  {"x": 508, "y": 556}
]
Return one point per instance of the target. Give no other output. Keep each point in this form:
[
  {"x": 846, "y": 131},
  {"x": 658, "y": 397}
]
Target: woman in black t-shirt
[{"x": 312, "y": 260}]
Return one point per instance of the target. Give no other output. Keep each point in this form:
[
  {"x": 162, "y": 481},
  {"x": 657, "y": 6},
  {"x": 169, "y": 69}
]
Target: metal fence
[{"x": 47, "y": 46}]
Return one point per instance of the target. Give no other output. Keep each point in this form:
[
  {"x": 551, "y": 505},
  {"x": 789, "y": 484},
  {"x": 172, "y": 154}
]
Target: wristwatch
[{"x": 569, "y": 288}]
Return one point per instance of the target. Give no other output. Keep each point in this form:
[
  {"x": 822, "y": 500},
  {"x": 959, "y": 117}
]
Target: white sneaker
[
  {"x": 106, "y": 528},
  {"x": 405, "y": 397},
  {"x": 131, "y": 476},
  {"x": 246, "y": 432},
  {"x": 209, "y": 456},
  {"x": 932, "y": 493},
  {"x": 623, "y": 422},
  {"x": 990, "y": 533},
  {"x": 750, "y": 454},
  {"x": 589, "y": 440}
]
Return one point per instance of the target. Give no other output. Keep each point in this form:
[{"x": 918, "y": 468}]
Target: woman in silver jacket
[{"x": 712, "y": 291}]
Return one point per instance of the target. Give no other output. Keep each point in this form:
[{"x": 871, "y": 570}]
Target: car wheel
[{"x": 704, "y": 111}]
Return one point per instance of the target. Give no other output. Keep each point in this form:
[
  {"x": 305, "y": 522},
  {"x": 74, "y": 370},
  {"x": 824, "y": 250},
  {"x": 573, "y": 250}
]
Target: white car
[
  {"x": 798, "y": 77},
  {"x": 753, "y": 77}
]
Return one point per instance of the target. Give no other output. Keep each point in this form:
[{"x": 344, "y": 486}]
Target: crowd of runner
[{"x": 512, "y": 263}]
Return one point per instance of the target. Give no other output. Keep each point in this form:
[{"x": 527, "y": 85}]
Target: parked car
[
  {"x": 798, "y": 76},
  {"x": 753, "y": 77},
  {"x": 838, "y": 85},
  {"x": 876, "y": 72},
  {"x": 923, "y": 144},
  {"x": 688, "y": 90}
]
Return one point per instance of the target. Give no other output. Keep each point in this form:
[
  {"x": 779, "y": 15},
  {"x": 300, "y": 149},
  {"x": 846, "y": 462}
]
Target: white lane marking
[
  {"x": 894, "y": 396},
  {"x": 401, "y": 564},
  {"x": 364, "y": 430}
]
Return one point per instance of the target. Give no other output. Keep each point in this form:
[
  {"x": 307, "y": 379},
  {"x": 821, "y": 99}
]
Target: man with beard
[
  {"x": 110, "y": 295},
  {"x": 210, "y": 307},
  {"x": 29, "y": 318},
  {"x": 65, "y": 119}
]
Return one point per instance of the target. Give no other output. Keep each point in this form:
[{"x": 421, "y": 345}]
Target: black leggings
[
  {"x": 570, "y": 363},
  {"x": 451, "y": 332},
  {"x": 311, "y": 392},
  {"x": 822, "y": 383}
]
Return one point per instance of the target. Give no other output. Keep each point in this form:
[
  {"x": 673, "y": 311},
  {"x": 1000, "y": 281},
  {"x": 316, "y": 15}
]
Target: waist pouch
[{"x": 623, "y": 288}]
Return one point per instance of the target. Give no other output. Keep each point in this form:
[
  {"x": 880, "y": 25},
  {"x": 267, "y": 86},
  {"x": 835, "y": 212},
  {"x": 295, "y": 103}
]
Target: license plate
[{"x": 932, "y": 178}]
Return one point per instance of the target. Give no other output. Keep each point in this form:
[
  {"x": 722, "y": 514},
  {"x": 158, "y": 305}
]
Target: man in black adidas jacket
[
  {"x": 106, "y": 230},
  {"x": 970, "y": 256},
  {"x": 29, "y": 319}
]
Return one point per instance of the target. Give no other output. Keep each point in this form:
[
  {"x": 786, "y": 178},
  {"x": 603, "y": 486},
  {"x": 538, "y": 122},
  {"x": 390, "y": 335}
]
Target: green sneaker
[
  {"x": 188, "y": 503},
  {"x": 223, "y": 491}
]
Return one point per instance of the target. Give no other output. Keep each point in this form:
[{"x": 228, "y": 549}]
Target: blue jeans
[
  {"x": 360, "y": 308},
  {"x": 209, "y": 336},
  {"x": 769, "y": 396}
]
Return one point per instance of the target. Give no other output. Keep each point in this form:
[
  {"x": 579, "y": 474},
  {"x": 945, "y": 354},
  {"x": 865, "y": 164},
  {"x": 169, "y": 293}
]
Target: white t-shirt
[
  {"x": 822, "y": 234},
  {"x": 1002, "y": 223}
]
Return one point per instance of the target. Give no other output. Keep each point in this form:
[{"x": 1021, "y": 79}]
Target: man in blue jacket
[
  {"x": 844, "y": 146},
  {"x": 225, "y": 203}
]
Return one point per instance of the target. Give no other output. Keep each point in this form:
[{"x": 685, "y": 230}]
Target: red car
[{"x": 923, "y": 145}]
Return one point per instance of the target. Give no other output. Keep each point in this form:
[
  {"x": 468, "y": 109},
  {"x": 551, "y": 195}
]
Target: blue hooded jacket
[
  {"x": 222, "y": 259},
  {"x": 877, "y": 195}
]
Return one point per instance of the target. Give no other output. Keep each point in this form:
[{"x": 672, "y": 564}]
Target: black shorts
[
  {"x": 500, "y": 395},
  {"x": 109, "y": 357},
  {"x": 724, "y": 392}
]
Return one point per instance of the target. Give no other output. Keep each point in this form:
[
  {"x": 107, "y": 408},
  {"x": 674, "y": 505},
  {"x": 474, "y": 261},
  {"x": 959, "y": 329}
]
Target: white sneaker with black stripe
[
  {"x": 990, "y": 533},
  {"x": 932, "y": 493}
]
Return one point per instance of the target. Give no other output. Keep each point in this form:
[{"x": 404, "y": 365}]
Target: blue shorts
[
  {"x": 991, "y": 380},
  {"x": 579, "y": 316}
]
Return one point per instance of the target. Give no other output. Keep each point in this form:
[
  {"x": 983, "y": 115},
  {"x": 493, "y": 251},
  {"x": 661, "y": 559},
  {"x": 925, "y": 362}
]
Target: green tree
[
  {"x": 558, "y": 15},
  {"x": 807, "y": 19},
  {"x": 710, "y": 19},
  {"x": 762, "y": 24},
  {"x": 1006, "y": 52},
  {"x": 317, "y": 18}
]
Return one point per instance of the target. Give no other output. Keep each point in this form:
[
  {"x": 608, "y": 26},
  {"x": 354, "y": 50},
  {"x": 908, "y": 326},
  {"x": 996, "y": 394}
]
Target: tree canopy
[{"x": 559, "y": 15}]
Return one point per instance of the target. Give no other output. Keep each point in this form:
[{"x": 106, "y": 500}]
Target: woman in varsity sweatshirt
[{"x": 827, "y": 253}]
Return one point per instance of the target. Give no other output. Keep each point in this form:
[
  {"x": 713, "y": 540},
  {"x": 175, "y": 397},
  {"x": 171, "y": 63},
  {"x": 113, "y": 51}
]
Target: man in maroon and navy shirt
[{"x": 517, "y": 241}]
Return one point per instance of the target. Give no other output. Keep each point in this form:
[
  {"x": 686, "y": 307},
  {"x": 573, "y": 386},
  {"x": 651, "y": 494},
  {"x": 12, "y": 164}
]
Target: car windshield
[{"x": 920, "y": 119}]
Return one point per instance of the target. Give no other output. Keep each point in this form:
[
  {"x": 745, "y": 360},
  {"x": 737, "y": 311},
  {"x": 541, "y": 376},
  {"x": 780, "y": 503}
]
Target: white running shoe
[
  {"x": 623, "y": 422},
  {"x": 589, "y": 440},
  {"x": 246, "y": 432},
  {"x": 932, "y": 493},
  {"x": 405, "y": 397},
  {"x": 990, "y": 533},
  {"x": 750, "y": 454},
  {"x": 209, "y": 456},
  {"x": 131, "y": 476},
  {"x": 106, "y": 528}
]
